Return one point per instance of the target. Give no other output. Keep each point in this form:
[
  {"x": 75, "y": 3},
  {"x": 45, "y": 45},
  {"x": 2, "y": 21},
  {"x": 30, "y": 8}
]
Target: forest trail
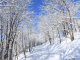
[{"x": 56, "y": 51}]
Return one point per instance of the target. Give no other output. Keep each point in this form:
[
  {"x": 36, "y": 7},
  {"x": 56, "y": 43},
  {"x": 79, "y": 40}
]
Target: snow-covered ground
[{"x": 56, "y": 51}]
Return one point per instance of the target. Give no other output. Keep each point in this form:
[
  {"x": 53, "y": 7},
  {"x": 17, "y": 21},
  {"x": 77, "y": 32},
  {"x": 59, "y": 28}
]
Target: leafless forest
[{"x": 18, "y": 33}]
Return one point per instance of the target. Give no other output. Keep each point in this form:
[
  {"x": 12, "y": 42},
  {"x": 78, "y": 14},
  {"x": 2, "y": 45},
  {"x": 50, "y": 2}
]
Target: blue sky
[{"x": 35, "y": 6}]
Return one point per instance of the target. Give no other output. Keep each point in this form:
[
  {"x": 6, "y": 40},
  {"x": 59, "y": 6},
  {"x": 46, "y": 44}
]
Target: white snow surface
[{"x": 56, "y": 51}]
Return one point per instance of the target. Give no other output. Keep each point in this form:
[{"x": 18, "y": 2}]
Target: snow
[{"x": 56, "y": 51}]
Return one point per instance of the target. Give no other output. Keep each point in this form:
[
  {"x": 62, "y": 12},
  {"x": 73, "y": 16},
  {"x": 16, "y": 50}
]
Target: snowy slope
[{"x": 56, "y": 51}]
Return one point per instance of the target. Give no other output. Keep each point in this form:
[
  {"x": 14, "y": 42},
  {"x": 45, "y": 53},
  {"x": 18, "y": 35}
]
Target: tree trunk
[
  {"x": 72, "y": 35},
  {"x": 7, "y": 48},
  {"x": 59, "y": 35},
  {"x": 30, "y": 46},
  {"x": 49, "y": 38}
]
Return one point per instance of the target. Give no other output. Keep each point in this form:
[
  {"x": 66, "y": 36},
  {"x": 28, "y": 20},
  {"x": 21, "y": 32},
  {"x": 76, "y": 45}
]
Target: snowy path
[{"x": 56, "y": 51}]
